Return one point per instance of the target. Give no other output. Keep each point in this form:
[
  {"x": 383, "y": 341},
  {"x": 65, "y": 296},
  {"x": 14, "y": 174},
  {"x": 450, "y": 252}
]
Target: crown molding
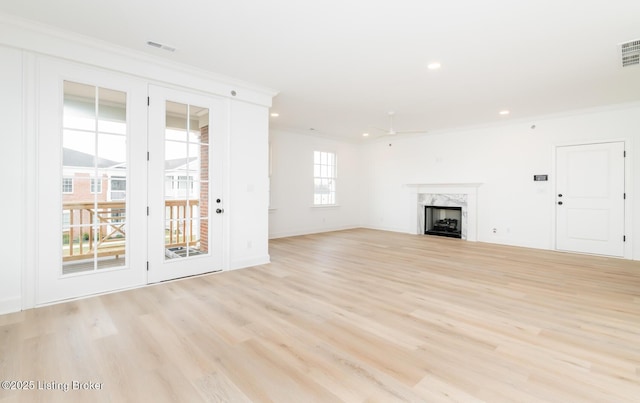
[{"x": 45, "y": 40}]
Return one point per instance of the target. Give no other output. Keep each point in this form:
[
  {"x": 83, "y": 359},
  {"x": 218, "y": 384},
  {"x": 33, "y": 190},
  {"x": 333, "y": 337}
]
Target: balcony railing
[
  {"x": 94, "y": 228},
  {"x": 178, "y": 232},
  {"x": 99, "y": 229}
]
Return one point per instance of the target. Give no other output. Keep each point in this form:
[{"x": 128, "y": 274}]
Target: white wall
[
  {"x": 504, "y": 159},
  {"x": 292, "y": 211},
  {"x": 21, "y": 46},
  {"x": 11, "y": 160},
  {"x": 248, "y": 200}
]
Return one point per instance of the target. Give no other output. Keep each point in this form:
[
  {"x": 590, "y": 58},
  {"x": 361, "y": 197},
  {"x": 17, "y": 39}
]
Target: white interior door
[
  {"x": 91, "y": 182},
  {"x": 590, "y": 198},
  {"x": 187, "y": 151}
]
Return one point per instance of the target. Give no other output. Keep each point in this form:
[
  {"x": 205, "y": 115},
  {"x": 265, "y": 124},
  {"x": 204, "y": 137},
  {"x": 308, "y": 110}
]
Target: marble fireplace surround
[{"x": 463, "y": 195}]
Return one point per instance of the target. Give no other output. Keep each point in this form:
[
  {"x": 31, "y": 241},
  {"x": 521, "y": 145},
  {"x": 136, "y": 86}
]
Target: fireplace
[
  {"x": 443, "y": 221},
  {"x": 463, "y": 195}
]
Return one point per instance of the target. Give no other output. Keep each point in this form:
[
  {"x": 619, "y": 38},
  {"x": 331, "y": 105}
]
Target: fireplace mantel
[
  {"x": 468, "y": 189},
  {"x": 447, "y": 186}
]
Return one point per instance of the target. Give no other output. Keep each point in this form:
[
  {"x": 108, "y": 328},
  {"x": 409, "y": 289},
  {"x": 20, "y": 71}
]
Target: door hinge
[
  {"x": 147, "y": 155},
  {"x": 624, "y": 196},
  {"x": 624, "y": 238},
  {"x": 624, "y": 154},
  {"x": 147, "y": 211},
  {"x": 148, "y": 101},
  {"x": 147, "y": 266}
]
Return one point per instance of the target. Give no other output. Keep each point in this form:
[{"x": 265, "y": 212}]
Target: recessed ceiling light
[
  {"x": 275, "y": 114},
  {"x": 365, "y": 134},
  {"x": 504, "y": 112},
  {"x": 434, "y": 66}
]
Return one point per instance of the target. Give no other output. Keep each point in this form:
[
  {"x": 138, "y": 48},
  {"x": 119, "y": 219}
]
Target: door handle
[
  {"x": 560, "y": 195},
  {"x": 560, "y": 203},
  {"x": 219, "y": 210}
]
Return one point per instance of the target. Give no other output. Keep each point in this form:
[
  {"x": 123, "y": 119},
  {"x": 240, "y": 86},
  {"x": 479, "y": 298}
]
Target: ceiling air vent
[
  {"x": 630, "y": 53},
  {"x": 161, "y": 46}
]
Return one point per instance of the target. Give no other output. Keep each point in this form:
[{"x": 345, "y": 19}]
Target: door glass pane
[
  {"x": 94, "y": 178},
  {"x": 186, "y": 180}
]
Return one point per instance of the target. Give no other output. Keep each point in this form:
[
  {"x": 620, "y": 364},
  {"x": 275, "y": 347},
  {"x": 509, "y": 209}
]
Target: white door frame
[
  {"x": 159, "y": 268},
  {"x": 628, "y": 181},
  {"x": 49, "y": 286}
]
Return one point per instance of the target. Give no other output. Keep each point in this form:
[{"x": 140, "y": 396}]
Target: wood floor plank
[{"x": 357, "y": 316}]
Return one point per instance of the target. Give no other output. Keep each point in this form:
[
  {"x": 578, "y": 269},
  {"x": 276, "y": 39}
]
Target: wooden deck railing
[
  {"x": 83, "y": 242},
  {"x": 175, "y": 213}
]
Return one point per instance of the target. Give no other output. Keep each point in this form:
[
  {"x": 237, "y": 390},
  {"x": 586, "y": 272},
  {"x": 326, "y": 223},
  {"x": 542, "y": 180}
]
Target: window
[
  {"x": 185, "y": 182},
  {"x": 66, "y": 220},
  {"x": 67, "y": 185},
  {"x": 168, "y": 182},
  {"x": 96, "y": 185},
  {"x": 324, "y": 178},
  {"x": 94, "y": 151},
  {"x": 117, "y": 215},
  {"x": 118, "y": 188}
]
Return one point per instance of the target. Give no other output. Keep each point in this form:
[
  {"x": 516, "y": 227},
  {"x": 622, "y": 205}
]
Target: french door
[
  {"x": 91, "y": 182},
  {"x": 187, "y": 150},
  {"x": 590, "y": 198},
  {"x": 130, "y": 192}
]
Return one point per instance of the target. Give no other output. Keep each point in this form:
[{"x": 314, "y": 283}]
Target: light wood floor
[{"x": 354, "y": 316}]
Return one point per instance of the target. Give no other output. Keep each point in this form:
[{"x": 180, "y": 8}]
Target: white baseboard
[
  {"x": 10, "y": 305},
  {"x": 308, "y": 231},
  {"x": 249, "y": 262},
  {"x": 390, "y": 229}
]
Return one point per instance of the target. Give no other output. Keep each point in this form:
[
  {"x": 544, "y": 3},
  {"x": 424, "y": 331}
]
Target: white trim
[
  {"x": 333, "y": 176},
  {"x": 92, "y": 185},
  {"x": 72, "y": 183},
  {"x": 30, "y": 261},
  {"x": 301, "y": 232},
  {"x": 628, "y": 252},
  {"x": 249, "y": 262},
  {"x": 9, "y": 305},
  {"x": 39, "y": 38},
  {"x": 526, "y": 122}
]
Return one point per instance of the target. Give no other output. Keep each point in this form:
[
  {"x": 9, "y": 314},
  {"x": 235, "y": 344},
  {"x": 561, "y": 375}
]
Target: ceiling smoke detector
[{"x": 630, "y": 53}]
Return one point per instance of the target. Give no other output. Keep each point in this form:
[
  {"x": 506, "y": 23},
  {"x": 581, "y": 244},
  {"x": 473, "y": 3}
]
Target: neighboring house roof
[{"x": 75, "y": 158}]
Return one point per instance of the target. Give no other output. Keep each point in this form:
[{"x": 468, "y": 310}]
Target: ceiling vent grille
[
  {"x": 161, "y": 46},
  {"x": 630, "y": 53}
]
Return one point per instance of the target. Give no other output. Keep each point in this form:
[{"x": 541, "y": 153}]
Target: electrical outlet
[{"x": 495, "y": 230}]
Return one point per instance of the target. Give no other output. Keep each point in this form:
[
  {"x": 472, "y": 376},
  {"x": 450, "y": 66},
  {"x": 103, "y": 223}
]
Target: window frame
[
  {"x": 70, "y": 179},
  {"x": 325, "y": 171},
  {"x": 94, "y": 183}
]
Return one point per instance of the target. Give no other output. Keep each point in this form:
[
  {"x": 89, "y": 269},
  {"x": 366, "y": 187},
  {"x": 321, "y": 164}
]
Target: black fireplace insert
[{"x": 443, "y": 221}]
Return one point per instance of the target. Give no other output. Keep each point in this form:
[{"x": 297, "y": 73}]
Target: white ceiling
[{"x": 340, "y": 66}]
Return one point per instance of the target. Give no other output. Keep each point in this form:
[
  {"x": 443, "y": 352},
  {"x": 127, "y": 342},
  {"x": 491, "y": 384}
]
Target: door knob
[
  {"x": 560, "y": 195},
  {"x": 560, "y": 203},
  {"x": 219, "y": 210}
]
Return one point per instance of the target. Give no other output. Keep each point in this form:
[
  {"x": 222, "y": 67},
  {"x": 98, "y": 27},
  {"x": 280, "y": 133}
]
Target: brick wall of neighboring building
[
  {"x": 82, "y": 193},
  {"x": 204, "y": 189},
  {"x": 82, "y": 189}
]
